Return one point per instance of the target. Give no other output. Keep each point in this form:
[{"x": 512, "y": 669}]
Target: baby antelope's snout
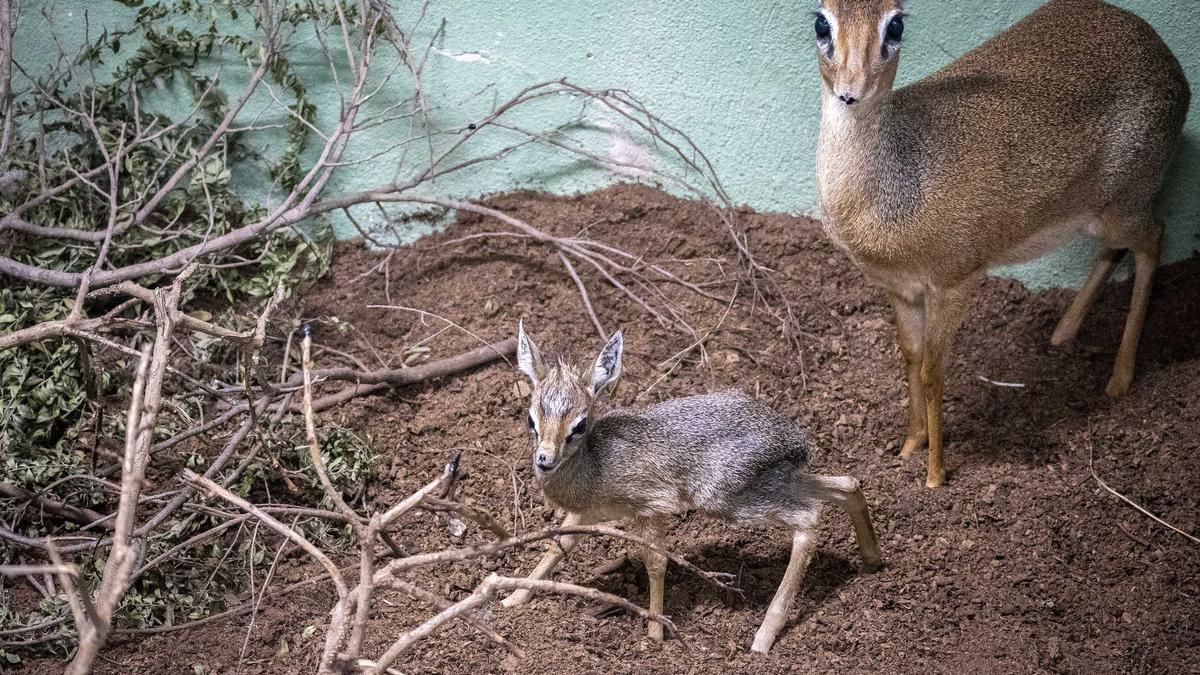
[{"x": 544, "y": 462}]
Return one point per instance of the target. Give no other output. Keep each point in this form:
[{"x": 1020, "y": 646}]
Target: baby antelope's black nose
[
  {"x": 543, "y": 463},
  {"x": 848, "y": 99}
]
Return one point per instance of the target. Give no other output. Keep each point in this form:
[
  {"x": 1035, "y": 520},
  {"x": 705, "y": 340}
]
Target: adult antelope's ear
[
  {"x": 529, "y": 357},
  {"x": 608, "y": 364}
]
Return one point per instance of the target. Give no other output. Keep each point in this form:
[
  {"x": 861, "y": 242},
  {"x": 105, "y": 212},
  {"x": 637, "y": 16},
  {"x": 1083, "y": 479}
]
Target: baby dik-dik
[
  {"x": 1065, "y": 122},
  {"x": 726, "y": 455}
]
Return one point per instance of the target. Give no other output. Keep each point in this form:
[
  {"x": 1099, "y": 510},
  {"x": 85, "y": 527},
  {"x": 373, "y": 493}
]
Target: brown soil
[{"x": 1022, "y": 562}]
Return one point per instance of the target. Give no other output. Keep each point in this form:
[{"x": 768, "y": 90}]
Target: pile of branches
[{"x": 116, "y": 219}]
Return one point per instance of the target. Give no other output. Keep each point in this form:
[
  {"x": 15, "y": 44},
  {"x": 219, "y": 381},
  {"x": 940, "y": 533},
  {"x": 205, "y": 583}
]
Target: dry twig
[
  {"x": 486, "y": 592},
  {"x": 1127, "y": 500}
]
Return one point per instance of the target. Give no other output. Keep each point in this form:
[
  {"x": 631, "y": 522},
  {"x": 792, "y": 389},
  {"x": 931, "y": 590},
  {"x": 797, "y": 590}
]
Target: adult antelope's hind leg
[
  {"x": 1069, "y": 325},
  {"x": 944, "y": 312},
  {"x": 555, "y": 552},
  {"x": 1145, "y": 261},
  {"x": 654, "y": 531},
  {"x": 803, "y": 545},
  {"x": 910, "y": 332}
]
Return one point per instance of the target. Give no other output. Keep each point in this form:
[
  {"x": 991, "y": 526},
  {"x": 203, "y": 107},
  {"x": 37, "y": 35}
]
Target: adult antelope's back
[{"x": 1065, "y": 122}]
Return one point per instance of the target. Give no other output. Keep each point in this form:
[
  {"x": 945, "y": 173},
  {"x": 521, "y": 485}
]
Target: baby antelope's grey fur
[{"x": 726, "y": 455}]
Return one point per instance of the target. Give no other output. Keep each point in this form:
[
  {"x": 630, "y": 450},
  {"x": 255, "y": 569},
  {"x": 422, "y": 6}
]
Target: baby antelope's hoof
[
  {"x": 935, "y": 478},
  {"x": 765, "y": 637},
  {"x": 762, "y": 643},
  {"x": 871, "y": 566}
]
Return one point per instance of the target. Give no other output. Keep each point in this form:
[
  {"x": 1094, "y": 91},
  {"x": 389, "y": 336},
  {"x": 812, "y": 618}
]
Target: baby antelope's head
[{"x": 562, "y": 399}]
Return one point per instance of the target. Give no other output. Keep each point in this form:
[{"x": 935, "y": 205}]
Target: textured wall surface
[{"x": 739, "y": 77}]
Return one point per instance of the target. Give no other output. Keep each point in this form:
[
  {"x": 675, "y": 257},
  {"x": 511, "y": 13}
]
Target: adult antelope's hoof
[
  {"x": 1064, "y": 333},
  {"x": 1119, "y": 384},
  {"x": 912, "y": 445}
]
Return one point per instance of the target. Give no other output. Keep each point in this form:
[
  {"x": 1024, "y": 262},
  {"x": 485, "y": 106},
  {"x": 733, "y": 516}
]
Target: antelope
[
  {"x": 726, "y": 455},
  {"x": 1065, "y": 122}
]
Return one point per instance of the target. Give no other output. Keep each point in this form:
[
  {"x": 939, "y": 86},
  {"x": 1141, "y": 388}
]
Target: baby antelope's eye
[
  {"x": 579, "y": 428},
  {"x": 531, "y": 424},
  {"x": 822, "y": 27},
  {"x": 895, "y": 29}
]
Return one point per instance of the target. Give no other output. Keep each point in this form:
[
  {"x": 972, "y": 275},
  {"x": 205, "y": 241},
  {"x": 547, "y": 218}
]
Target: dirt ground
[{"x": 1021, "y": 563}]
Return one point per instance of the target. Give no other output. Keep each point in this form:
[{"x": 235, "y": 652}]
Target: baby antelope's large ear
[
  {"x": 608, "y": 365},
  {"x": 529, "y": 357}
]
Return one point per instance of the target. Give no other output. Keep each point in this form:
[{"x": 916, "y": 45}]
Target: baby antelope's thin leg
[
  {"x": 845, "y": 492},
  {"x": 654, "y": 531},
  {"x": 803, "y": 545},
  {"x": 554, "y": 555}
]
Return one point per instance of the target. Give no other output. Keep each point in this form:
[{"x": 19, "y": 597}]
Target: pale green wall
[{"x": 740, "y": 77}]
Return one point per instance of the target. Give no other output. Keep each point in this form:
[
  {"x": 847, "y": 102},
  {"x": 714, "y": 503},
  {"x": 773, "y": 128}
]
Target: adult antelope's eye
[
  {"x": 895, "y": 29},
  {"x": 531, "y": 424},
  {"x": 822, "y": 28},
  {"x": 579, "y": 428}
]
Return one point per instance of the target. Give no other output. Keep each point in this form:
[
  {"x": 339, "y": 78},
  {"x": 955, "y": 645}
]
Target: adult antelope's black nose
[{"x": 848, "y": 99}]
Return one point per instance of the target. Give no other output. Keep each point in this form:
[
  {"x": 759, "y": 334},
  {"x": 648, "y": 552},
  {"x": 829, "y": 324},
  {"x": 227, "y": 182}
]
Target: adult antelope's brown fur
[
  {"x": 725, "y": 455},
  {"x": 1065, "y": 122}
]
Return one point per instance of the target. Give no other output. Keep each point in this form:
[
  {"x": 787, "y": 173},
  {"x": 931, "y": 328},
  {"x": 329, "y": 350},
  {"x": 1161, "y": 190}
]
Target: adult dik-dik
[{"x": 1065, "y": 122}]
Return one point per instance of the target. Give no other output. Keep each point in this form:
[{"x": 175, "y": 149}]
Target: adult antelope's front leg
[
  {"x": 555, "y": 552},
  {"x": 944, "y": 312},
  {"x": 910, "y": 332}
]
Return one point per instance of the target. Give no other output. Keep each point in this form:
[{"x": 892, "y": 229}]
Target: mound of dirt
[{"x": 1022, "y": 562}]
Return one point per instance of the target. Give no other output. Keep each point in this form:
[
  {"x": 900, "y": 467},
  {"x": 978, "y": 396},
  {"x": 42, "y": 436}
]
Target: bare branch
[
  {"x": 113, "y": 584},
  {"x": 76, "y": 514},
  {"x": 217, "y": 135},
  {"x": 486, "y": 592},
  {"x": 371, "y": 381},
  {"x": 423, "y": 595},
  {"x": 211, "y": 489},
  {"x": 7, "y": 28},
  {"x": 84, "y": 612},
  {"x": 314, "y": 448}
]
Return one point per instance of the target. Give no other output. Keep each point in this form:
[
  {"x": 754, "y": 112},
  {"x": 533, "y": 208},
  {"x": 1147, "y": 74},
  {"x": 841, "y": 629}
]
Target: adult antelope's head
[{"x": 858, "y": 47}]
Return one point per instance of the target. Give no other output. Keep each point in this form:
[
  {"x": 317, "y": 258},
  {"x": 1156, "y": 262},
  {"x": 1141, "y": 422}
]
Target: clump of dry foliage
[{"x": 140, "y": 289}]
